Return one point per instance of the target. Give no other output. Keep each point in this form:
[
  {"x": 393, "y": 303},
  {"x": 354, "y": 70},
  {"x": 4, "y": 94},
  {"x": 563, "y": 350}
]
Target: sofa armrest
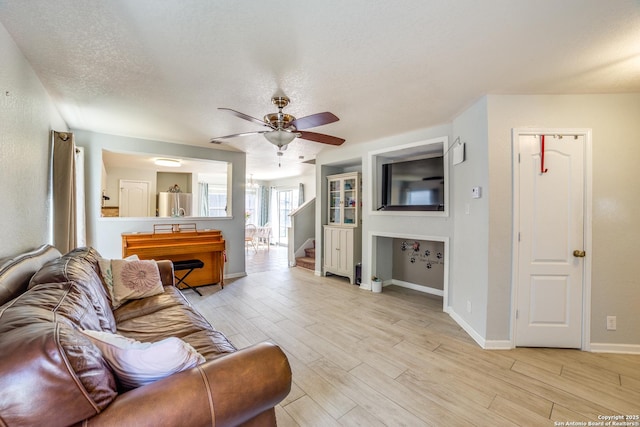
[
  {"x": 227, "y": 391},
  {"x": 165, "y": 267}
]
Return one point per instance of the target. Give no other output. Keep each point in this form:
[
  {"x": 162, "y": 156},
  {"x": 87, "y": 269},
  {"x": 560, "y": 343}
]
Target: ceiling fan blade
[
  {"x": 314, "y": 120},
  {"x": 246, "y": 117},
  {"x": 217, "y": 140},
  {"x": 320, "y": 137}
]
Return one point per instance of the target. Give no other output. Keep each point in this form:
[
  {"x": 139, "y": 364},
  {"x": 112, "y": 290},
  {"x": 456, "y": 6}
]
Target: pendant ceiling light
[{"x": 250, "y": 183}]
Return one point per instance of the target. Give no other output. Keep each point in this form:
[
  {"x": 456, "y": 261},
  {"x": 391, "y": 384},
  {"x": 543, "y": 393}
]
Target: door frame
[{"x": 587, "y": 225}]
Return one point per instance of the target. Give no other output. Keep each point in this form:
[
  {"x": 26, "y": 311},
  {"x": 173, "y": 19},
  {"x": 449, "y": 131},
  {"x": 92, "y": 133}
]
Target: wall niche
[
  {"x": 410, "y": 179},
  {"x": 415, "y": 262},
  {"x": 419, "y": 262}
]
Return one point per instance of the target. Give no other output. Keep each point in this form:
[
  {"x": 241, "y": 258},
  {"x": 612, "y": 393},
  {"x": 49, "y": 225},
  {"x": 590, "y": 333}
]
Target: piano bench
[{"x": 189, "y": 265}]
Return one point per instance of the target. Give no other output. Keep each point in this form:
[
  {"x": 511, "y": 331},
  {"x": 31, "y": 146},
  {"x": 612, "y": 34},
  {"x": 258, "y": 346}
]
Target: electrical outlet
[
  {"x": 468, "y": 306},
  {"x": 611, "y": 323}
]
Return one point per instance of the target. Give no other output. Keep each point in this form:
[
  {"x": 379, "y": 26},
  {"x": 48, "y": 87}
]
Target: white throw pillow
[{"x": 136, "y": 363}]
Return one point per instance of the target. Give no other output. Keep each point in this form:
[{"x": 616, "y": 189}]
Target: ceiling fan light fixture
[
  {"x": 279, "y": 137},
  {"x": 171, "y": 163},
  {"x": 284, "y": 128}
]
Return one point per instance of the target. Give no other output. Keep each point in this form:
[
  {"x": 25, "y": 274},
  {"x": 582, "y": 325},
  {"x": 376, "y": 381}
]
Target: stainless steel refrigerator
[{"x": 174, "y": 204}]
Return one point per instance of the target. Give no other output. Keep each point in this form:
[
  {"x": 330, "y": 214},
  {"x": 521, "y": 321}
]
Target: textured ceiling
[{"x": 159, "y": 69}]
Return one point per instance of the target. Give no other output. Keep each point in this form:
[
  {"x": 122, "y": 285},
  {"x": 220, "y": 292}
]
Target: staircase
[{"x": 309, "y": 259}]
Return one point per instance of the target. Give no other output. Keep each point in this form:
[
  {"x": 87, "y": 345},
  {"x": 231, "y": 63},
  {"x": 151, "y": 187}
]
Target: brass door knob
[{"x": 579, "y": 254}]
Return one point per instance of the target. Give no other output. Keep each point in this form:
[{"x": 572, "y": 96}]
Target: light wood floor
[
  {"x": 395, "y": 359},
  {"x": 261, "y": 259}
]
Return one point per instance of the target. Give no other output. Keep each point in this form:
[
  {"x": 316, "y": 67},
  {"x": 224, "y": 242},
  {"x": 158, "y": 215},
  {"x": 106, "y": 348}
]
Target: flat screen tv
[{"x": 413, "y": 185}]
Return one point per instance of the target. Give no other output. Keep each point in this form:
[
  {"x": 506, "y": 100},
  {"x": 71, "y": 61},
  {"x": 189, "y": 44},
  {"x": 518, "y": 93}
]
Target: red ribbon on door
[{"x": 542, "y": 168}]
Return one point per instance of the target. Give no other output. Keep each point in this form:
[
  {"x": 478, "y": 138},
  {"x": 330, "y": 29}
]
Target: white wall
[
  {"x": 27, "y": 115},
  {"x": 105, "y": 233},
  {"x": 469, "y": 281}
]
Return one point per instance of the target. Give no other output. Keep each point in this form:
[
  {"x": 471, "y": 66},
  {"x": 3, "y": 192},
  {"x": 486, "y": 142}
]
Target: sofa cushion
[
  {"x": 167, "y": 315},
  {"x": 16, "y": 272},
  {"x": 171, "y": 297},
  {"x": 65, "y": 301},
  {"x": 17, "y": 318},
  {"x": 174, "y": 321},
  {"x": 211, "y": 344},
  {"x": 81, "y": 267},
  {"x": 136, "y": 363},
  {"x": 45, "y": 366}
]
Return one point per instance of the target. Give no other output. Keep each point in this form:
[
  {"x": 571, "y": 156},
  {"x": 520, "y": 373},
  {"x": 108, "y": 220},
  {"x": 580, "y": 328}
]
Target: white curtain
[
  {"x": 263, "y": 204},
  {"x": 274, "y": 217},
  {"x": 203, "y": 194},
  {"x": 67, "y": 192},
  {"x": 81, "y": 223}
]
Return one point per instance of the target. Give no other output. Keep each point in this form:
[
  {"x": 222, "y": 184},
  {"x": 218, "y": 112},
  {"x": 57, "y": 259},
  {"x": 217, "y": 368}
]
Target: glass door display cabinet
[
  {"x": 342, "y": 233},
  {"x": 344, "y": 199}
]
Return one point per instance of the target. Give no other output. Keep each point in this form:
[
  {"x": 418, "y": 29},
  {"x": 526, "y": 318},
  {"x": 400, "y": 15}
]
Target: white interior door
[
  {"x": 550, "y": 226},
  {"x": 134, "y": 198}
]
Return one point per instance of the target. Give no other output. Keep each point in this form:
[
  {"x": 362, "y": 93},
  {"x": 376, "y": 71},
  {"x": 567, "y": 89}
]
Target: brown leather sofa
[{"x": 51, "y": 374}]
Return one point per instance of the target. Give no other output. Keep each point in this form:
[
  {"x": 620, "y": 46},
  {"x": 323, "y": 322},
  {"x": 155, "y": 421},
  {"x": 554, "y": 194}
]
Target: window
[
  {"x": 284, "y": 202},
  {"x": 217, "y": 197},
  {"x": 215, "y": 191}
]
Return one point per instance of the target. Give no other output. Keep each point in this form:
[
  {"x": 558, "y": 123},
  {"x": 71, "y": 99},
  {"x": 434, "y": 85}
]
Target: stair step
[
  {"x": 306, "y": 262},
  {"x": 310, "y": 252}
]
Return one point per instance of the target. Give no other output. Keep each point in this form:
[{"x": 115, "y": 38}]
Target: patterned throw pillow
[
  {"x": 134, "y": 280},
  {"x": 107, "y": 274},
  {"x": 138, "y": 363}
]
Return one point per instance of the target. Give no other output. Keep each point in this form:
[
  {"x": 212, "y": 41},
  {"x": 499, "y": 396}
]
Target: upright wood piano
[{"x": 179, "y": 242}]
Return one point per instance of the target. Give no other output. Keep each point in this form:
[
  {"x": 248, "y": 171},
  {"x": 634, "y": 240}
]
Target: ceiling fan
[{"x": 284, "y": 128}]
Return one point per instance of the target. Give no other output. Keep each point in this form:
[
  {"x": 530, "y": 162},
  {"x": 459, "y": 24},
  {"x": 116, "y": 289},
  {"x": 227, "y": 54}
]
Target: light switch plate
[{"x": 476, "y": 192}]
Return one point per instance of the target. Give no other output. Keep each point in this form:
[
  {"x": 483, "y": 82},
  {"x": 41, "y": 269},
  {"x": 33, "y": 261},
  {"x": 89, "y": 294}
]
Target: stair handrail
[{"x": 302, "y": 207}]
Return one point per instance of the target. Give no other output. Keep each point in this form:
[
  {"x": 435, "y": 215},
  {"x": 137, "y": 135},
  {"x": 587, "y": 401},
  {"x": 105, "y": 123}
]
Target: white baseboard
[
  {"x": 409, "y": 285},
  {"x": 508, "y": 344},
  {"x": 482, "y": 342},
  {"x": 234, "y": 275},
  {"x": 498, "y": 345},
  {"x": 468, "y": 329},
  {"x": 615, "y": 348}
]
